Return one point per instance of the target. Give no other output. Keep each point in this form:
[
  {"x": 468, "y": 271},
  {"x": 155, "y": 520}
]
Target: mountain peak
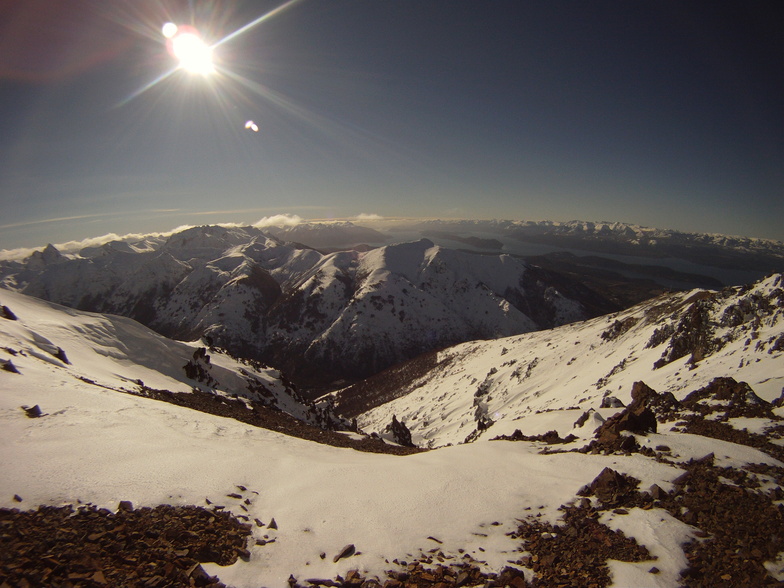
[{"x": 40, "y": 259}]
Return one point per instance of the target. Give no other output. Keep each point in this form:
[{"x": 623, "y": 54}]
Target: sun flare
[{"x": 185, "y": 44}]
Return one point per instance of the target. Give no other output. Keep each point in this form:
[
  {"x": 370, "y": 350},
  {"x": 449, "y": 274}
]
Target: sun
[
  {"x": 187, "y": 46},
  {"x": 193, "y": 55}
]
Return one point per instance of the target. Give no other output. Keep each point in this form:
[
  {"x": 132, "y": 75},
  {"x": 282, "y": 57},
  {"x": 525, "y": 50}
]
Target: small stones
[
  {"x": 347, "y": 551},
  {"x": 264, "y": 541},
  {"x": 161, "y": 546},
  {"x": 575, "y": 552}
]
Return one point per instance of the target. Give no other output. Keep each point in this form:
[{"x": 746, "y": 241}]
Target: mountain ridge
[
  {"x": 674, "y": 342},
  {"x": 345, "y": 314}
]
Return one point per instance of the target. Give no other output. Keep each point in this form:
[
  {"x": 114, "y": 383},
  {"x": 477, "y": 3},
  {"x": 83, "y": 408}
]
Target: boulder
[{"x": 613, "y": 488}]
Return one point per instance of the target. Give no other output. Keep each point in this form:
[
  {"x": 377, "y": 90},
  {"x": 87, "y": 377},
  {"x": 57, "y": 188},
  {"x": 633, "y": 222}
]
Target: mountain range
[
  {"x": 641, "y": 448},
  {"x": 675, "y": 343},
  {"x": 320, "y": 316}
]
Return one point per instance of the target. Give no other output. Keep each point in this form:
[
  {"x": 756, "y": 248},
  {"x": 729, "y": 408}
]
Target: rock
[
  {"x": 729, "y": 398},
  {"x": 400, "y": 432},
  {"x": 17, "y": 498},
  {"x": 321, "y": 582},
  {"x": 8, "y": 366},
  {"x": 125, "y": 505},
  {"x": 660, "y": 404},
  {"x": 272, "y": 524},
  {"x": 597, "y": 419},
  {"x": 32, "y": 412},
  {"x": 683, "y": 479},
  {"x": 347, "y": 551},
  {"x": 61, "y": 356},
  {"x": 582, "y": 419},
  {"x": 611, "y": 402},
  {"x": 550, "y": 437},
  {"x": 635, "y": 418},
  {"x": 6, "y": 313},
  {"x": 613, "y": 488}
]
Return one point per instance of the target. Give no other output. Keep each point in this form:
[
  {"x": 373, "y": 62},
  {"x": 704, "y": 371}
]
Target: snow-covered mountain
[
  {"x": 66, "y": 348},
  {"x": 336, "y": 234},
  {"x": 319, "y": 316},
  {"x": 617, "y": 238},
  {"x": 659, "y": 498},
  {"x": 674, "y": 343}
]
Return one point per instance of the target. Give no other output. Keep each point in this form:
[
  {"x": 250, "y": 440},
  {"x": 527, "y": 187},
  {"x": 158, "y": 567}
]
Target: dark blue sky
[{"x": 667, "y": 114}]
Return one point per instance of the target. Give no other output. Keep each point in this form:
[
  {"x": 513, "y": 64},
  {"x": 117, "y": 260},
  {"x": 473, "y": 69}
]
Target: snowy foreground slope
[
  {"x": 675, "y": 343},
  {"x": 69, "y": 348},
  {"x": 454, "y": 504}
]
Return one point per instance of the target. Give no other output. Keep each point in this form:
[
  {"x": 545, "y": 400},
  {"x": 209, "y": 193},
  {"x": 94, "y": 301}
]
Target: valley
[{"x": 646, "y": 418}]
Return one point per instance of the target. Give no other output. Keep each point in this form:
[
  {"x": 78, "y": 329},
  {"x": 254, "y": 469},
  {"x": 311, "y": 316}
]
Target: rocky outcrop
[
  {"x": 400, "y": 433},
  {"x": 729, "y": 398},
  {"x": 635, "y": 418},
  {"x": 550, "y": 437},
  {"x": 611, "y": 488}
]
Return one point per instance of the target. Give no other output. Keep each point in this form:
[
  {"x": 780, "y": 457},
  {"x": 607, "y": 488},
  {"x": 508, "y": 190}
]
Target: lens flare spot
[
  {"x": 252, "y": 126},
  {"x": 169, "y": 30}
]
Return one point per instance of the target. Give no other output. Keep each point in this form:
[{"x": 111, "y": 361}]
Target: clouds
[
  {"x": 278, "y": 220},
  {"x": 75, "y": 246},
  {"x": 17, "y": 254}
]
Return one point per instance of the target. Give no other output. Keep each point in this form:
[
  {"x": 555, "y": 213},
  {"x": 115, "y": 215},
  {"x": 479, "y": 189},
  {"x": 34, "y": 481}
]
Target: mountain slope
[
  {"x": 674, "y": 343},
  {"x": 507, "y": 512},
  {"x": 319, "y": 316},
  {"x": 67, "y": 348}
]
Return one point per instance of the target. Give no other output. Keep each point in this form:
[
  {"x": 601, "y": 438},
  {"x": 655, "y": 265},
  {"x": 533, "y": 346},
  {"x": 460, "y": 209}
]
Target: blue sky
[{"x": 665, "y": 114}]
